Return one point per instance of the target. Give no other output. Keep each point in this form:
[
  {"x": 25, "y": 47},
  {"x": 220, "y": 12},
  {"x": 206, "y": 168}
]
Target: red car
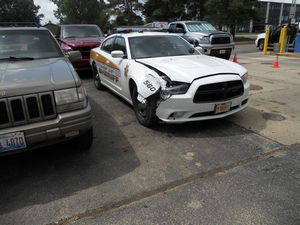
[{"x": 81, "y": 37}]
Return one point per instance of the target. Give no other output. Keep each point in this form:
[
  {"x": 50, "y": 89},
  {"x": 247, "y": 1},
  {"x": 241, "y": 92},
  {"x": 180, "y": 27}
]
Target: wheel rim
[{"x": 261, "y": 45}]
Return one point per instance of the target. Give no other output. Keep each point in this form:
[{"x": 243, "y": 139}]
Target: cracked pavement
[{"x": 239, "y": 170}]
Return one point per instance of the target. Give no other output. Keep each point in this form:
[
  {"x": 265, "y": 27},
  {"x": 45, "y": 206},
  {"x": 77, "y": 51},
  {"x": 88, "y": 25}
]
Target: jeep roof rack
[{"x": 19, "y": 24}]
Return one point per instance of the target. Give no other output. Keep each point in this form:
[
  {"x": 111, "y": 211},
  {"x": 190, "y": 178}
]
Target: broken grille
[
  {"x": 26, "y": 109},
  {"x": 219, "y": 91}
]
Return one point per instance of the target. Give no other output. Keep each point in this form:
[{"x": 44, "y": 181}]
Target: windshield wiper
[{"x": 14, "y": 58}]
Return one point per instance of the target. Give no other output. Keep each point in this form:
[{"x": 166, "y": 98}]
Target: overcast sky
[{"x": 47, "y": 8}]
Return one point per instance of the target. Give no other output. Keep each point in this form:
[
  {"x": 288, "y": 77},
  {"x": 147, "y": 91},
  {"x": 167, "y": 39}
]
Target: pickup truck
[
  {"x": 205, "y": 37},
  {"x": 80, "y": 37}
]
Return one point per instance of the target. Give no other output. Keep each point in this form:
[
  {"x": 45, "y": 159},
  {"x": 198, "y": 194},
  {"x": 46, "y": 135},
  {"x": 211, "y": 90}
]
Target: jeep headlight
[
  {"x": 173, "y": 88},
  {"x": 204, "y": 40},
  {"x": 244, "y": 77},
  {"x": 70, "y": 99}
]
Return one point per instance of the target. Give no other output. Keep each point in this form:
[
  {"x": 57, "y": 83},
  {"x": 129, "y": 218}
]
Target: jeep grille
[{"x": 26, "y": 109}]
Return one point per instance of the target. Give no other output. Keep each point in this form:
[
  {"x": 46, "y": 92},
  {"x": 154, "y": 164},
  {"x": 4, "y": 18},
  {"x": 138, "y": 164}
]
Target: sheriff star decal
[{"x": 126, "y": 70}]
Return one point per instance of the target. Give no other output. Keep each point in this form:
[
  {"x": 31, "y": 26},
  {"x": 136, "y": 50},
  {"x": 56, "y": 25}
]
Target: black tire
[
  {"x": 261, "y": 44},
  {"x": 96, "y": 77},
  {"x": 145, "y": 112},
  {"x": 84, "y": 141}
]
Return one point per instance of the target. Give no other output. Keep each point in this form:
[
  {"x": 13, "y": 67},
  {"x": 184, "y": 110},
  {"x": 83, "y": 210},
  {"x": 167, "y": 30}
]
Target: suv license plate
[
  {"x": 223, "y": 51},
  {"x": 12, "y": 141},
  {"x": 222, "y": 108}
]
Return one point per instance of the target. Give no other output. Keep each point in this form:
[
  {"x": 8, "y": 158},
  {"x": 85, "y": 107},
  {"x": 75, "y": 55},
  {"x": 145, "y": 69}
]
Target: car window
[
  {"x": 107, "y": 45},
  {"x": 172, "y": 27},
  {"x": 200, "y": 26},
  {"x": 35, "y": 44},
  {"x": 180, "y": 27},
  {"x": 81, "y": 31},
  {"x": 120, "y": 44},
  {"x": 159, "y": 46}
]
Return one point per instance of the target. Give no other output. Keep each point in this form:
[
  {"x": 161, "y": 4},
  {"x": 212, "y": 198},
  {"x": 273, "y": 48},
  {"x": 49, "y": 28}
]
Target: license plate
[
  {"x": 12, "y": 141},
  {"x": 222, "y": 108},
  {"x": 223, "y": 51}
]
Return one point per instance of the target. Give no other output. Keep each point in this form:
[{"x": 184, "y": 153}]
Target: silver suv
[
  {"x": 42, "y": 101},
  {"x": 205, "y": 37}
]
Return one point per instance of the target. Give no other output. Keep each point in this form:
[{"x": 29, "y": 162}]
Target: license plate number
[
  {"x": 222, "y": 108},
  {"x": 12, "y": 141},
  {"x": 222, "y": 51}
]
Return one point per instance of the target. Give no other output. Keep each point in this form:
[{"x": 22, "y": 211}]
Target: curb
[
  {"x": 292, "y": 55},
  {"x": 244, "y": 42}
]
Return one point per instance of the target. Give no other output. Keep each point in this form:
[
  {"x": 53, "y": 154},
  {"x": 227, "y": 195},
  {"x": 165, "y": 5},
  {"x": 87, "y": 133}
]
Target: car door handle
[{"x": 107, "y": 62}]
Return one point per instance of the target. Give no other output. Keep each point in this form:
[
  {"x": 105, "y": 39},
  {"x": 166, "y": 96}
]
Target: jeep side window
[
  {"x": 107, "y": 45},
  {"x": 120, "y": 44}
]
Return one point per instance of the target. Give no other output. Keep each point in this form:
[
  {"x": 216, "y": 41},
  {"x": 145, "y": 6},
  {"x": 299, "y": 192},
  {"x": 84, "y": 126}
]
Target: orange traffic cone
[
  {"x": 276, "y": 63},
  {"x": 235, "y": 60}
]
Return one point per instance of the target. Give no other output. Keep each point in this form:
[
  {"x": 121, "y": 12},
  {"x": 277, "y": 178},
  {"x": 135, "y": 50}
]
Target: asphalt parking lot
[{"x": 240, "y": 170}]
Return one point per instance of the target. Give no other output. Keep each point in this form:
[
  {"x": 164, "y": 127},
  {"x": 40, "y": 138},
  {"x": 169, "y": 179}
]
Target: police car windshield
[
  {"x": 159, "y": 46},
  {"x": 28, "y": 44}
]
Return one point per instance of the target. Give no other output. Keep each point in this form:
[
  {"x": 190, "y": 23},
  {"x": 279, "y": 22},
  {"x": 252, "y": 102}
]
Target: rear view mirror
[
  {"x": 117, "y": 54},
  {"x": 74, "y": 56}
]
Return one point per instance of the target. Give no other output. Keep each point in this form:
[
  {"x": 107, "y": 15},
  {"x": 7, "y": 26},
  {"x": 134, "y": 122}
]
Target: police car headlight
[
  {"x": 245, "y": 78},
  {"x": 173, "y": 88}
]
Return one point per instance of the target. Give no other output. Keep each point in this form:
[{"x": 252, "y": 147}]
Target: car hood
[
  {"x": 27, "y": 77},
  {"x": 261, "y": 35},
  {"x": 209, "y": 33},
  {"x": 88, "y": 41},
  {"x": 189, "y": 68}
]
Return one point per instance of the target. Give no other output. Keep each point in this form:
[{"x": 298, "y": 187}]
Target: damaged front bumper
[{"x": 182, "y": 108}]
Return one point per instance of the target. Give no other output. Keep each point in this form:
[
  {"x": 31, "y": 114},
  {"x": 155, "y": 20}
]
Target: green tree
[
  {"x": 19, "y": 11},
  {"x": 230, "y": 12},
  {"x": 127, "y": 12},
  {"x": 82, "y": 11},
  {"x": 168, "y": 10},
  {"x": 164, "y": 10}
]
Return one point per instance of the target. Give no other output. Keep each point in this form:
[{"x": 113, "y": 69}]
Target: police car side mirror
[{"x": 117, "y": 54}]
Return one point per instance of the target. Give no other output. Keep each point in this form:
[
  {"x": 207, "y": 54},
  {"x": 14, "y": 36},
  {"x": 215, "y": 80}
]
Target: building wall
[{"x": 274, "y": 15}]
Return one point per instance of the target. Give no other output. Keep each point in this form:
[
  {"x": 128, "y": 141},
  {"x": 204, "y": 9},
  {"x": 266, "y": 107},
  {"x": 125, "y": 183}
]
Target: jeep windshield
[
  {"x": 159, "y": 46},
  {"x": 81, "y": 31},
  {"x": 200, "y": 27},
  {"x": 28, "y": 45}
]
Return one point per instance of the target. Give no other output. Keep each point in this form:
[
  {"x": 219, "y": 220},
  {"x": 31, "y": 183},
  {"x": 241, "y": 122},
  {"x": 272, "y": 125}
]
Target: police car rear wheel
[{"x": 97, "y": 80}]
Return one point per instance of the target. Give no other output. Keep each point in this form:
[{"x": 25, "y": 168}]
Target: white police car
[{"x": 166, "y": 79}]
